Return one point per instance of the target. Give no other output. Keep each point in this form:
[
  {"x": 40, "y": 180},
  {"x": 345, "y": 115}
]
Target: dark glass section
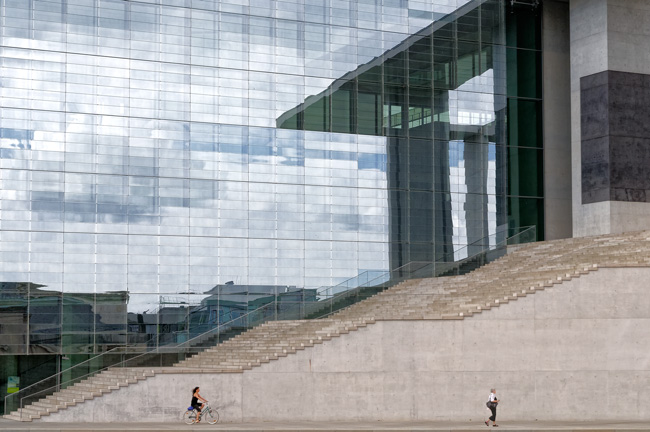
[
  {"x": 395, "y": 111},
  {"x": 443, "y": 63},
  {"x": 25, "y": 370},
  {"x": 421, "y": 221},
  {"x": 395, "y": 69},
  {"x": 523, "y": 212},
  {"x": 525, "y": 166},
  {"x": 420, "y": 162},
  {"x": 420, "y": 114},
  {"x": 316, "y": 115},
  {"x": 525, "y": 122},
  {"x": 491, "y": 22},
  {"x": 468, "y": 62},
  {"x": 524, "y": 25},
  {"x": 525, "y": 140},
  {"x": 343, "y": 101},
  {"x": 369, "y": 109},
  {"x": 14, "y": 318},
  {"x": 524, "y": 73},
  {"x": 467, "y": 26},
  {"x": 420, "y": 58}
]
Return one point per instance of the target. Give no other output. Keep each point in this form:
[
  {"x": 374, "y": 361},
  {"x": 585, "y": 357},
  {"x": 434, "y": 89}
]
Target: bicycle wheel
[
  {"x": 189, "y": 416},
  {"x": 212, "y": 416}
]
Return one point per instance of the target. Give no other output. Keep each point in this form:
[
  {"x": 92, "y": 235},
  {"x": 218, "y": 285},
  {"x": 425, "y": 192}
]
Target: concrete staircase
[
  {"x": 531, "y": 268},
  {"x": 523, "y": 272},
  {"x": 268, "y": 342},
  {"x": 90, "y": 388}
]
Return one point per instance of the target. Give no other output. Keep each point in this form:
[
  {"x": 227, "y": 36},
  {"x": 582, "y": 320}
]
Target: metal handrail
[
  {"x": 504, "y": 243},
  {"x": 60, "y": 373},
  {"x": 368, "y": 284},
  {"x": 118, "y": 350},
  {"x": 158, "y": 350},
  {"x": 443, "y": 259}
]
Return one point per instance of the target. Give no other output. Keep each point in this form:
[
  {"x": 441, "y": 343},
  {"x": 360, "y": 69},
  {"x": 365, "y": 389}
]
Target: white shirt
[{"x": 492, "y": 397}]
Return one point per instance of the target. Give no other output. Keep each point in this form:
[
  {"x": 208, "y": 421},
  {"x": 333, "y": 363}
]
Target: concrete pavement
[{"x": 8, "y": 425}]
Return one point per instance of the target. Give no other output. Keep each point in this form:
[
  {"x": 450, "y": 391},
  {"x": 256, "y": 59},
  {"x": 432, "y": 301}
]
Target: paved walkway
[{"x": 8, "y": 425}]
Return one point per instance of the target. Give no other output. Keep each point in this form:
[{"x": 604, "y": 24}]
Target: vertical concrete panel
[
  {"x": 557, "y": 120},
  {"x": 588, "y": 36}
]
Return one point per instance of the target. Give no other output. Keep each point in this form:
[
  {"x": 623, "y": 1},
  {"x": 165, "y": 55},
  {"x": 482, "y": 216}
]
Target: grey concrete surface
[
  {"x": 579, "y": 350},
  {"x": 588, "y": 35},
  {"x": 557, "y": 120},
  {"x": 7, "y": 425}
]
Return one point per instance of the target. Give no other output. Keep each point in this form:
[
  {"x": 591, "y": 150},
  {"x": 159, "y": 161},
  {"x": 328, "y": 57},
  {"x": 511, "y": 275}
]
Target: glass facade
[
  {"x": 524, "y": 91},
  {"x": 153, "y": 152},
  {"x": 439, "y": 99}
]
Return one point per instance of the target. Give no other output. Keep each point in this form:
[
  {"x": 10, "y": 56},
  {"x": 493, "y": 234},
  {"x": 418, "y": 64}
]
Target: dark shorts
[{"x": 197, "y": 407}]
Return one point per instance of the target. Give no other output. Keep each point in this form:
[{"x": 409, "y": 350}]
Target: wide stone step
[{"x": 17, "y": 417}]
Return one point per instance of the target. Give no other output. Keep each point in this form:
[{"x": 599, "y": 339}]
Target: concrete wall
[
  {"x": 578, "y": 351},
  {"x": 557, "y": 120},
  {"x": 609, "y": 35},
  {"x": 588, "y": 35}
]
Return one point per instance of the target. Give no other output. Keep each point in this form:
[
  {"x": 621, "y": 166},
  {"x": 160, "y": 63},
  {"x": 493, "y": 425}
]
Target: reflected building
[
  {"x": 36, "y": 320},
  {"x": 225, "y": 306},
  {"x": 151, "y": 152},
  {"x": 439, "y": 98}
]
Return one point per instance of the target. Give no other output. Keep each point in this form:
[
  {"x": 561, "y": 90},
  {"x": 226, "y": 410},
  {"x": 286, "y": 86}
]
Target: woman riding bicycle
[{"x": 196, "y": 397}]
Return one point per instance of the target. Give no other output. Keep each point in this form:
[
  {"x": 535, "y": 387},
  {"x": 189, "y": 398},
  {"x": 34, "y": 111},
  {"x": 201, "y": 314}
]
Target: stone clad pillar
[{"x": 610, "y": 115}]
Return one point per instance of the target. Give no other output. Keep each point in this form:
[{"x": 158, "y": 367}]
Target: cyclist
[{"x": 196, "y": 399}]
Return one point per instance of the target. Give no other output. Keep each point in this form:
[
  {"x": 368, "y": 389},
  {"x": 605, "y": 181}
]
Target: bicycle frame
[{"x": 206, "y": 409}]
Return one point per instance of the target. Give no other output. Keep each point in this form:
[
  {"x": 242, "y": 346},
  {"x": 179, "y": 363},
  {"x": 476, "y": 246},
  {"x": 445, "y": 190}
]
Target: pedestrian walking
[{"x": 492, "y": 405}]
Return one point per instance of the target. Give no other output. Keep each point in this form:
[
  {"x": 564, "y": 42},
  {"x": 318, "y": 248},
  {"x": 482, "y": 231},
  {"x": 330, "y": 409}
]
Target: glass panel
[
  {"x": 467, "y": 26},
  {"x": 526, "y": 168},
  {"x": 523, "y": 24},
  {"x": 342, "y": 109},
  {"x": 524, "y": 123},
  {"x": 524, "y": 72},
  {"x": 369, "y": 110},
  {"x": 524, "y": 212}
]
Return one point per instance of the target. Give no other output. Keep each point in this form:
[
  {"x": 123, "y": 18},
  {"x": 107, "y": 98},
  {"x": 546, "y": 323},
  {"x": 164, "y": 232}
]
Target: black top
[{"x": 195, "y": 401}]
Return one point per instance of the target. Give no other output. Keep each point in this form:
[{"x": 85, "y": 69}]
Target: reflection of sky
[
  {"x": 217, "y": 67},
  {"x": 259, "y": 206},
  {"x": 142, "y": 154}
]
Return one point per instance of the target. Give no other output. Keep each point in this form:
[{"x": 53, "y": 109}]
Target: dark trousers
[{"x": 494, "y": 413}]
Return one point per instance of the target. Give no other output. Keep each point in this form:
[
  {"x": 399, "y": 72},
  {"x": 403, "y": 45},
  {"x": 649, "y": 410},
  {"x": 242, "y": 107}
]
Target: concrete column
[
  {"x": 557, "y": 120},
  {"x": 610, "y": 96},
  {"x": 588, "y": 36}
]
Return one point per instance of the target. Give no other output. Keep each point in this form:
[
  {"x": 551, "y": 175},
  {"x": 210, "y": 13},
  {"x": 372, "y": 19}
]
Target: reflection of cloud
[
  {"x": 16, "y": 138},
  {"x": 308, "y": 62}
]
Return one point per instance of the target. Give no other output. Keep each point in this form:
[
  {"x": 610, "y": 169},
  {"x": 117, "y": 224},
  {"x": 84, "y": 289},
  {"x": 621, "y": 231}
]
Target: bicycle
[{"x": 211, "y": 415}]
